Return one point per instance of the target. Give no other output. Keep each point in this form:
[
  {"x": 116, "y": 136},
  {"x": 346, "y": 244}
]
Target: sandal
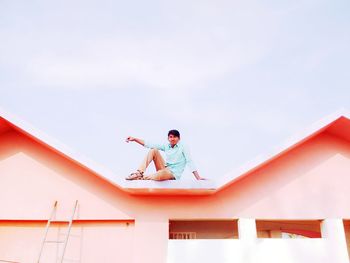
[{"x": 135, "y": 176}]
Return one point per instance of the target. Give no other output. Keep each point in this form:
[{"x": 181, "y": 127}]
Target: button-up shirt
[{"x": 176, "y": 157}]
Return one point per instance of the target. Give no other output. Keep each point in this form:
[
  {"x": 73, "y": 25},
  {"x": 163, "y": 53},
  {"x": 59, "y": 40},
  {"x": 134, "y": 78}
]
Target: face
[{"x": 173, "y": 139}]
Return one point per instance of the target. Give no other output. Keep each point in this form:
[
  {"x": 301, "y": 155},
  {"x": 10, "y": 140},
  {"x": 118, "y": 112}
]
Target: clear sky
[{"x": 236, "y": 78}]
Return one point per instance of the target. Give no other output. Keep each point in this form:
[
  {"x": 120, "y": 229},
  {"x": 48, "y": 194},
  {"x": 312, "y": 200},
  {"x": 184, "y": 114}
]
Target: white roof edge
[
  {"x": 172, "y": 184},
  {"x": 290, "y": 142}
]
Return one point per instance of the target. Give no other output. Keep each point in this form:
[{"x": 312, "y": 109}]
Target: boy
[{"x": 177, "y": 156}]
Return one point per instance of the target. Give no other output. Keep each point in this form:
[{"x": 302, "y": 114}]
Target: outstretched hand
[{"x": 130, "y": 139}]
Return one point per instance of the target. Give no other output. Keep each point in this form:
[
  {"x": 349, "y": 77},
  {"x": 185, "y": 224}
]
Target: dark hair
[{"x": 176, "y": 133}]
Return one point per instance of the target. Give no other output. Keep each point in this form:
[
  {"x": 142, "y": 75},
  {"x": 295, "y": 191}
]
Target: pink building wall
[{"x": 309, "y": 182}]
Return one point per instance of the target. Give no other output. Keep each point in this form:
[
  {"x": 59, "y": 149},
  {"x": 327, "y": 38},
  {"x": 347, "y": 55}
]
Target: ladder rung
[
  {"x": 71, "y": 235},
  {"x": 70, "y": 259},
  {"x": 54, "y": 241}
]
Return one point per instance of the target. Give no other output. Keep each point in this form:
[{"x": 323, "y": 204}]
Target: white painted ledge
[{"x": 171, "y": 184}]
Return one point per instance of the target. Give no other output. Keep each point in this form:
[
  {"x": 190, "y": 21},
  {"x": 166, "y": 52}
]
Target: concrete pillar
[
  {"x": 151, "y": 240},
  {"x": 333, "y": 230},
  {"x": 247, "y": 229}
]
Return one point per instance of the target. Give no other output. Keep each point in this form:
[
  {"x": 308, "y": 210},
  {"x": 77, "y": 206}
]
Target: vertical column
[
  {"x": 248, "y": 236},
  {"x": 151, "y": 240},
  {"x": 333, "y": 230},
  {"x": 247, "y": 229}
]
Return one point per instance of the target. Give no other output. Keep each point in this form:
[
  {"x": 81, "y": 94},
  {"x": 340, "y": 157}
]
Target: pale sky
[{"x": 236, "y": 78}]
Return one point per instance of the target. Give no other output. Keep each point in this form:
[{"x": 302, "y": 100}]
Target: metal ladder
[{"x": 57, "y": 241}]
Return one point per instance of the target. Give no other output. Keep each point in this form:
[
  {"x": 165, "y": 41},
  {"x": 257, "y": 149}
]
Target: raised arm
[
  {"x": 133, "y": 139},
  {"x": 146, "y": 143}
]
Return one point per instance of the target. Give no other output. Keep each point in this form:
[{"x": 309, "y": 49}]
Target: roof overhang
[{"x": 170, "y": 187}]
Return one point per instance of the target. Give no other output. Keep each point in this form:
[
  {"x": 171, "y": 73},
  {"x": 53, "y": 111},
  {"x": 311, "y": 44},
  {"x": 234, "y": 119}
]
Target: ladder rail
[
  {"x": 68, "y": 231},
  {"x": 47, "y": 230}
]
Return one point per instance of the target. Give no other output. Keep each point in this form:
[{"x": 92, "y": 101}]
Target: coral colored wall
[
  {"x": 309, "y": 182},
  {"x": 90, "y": 242}
]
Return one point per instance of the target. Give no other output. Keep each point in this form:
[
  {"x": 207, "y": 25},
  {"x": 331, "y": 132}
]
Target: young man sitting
[{"x": 177, "y": 156}]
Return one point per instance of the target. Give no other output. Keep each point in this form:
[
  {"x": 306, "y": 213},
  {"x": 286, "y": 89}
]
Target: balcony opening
[
  {"x": 347, "y": 234},
  {"x": 288, "y": 228},
  {"x": 203, "y": 229}
]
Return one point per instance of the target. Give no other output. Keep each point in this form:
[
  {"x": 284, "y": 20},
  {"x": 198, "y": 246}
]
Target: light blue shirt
[{"x": 176, "y": 157}]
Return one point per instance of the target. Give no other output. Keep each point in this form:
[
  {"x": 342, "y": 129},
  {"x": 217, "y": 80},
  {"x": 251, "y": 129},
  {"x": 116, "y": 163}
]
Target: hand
[
  {"x": 130, "y": 139},
  {"x": 198, "y": 177},
  {"x": 201, "y": 178}
]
